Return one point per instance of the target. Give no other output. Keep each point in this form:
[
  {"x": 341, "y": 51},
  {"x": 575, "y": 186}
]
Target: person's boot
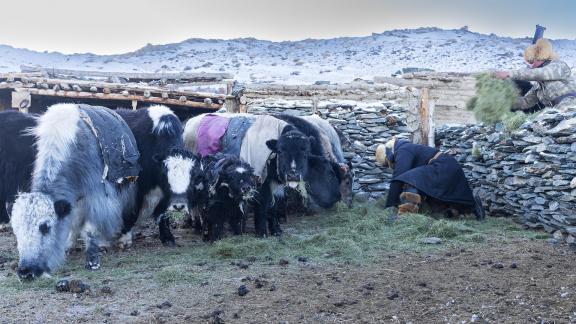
[
  {"x": 452, "y": 213},
  {"x": 410, "y": 201},
  {"x": 408, "y": 208}
]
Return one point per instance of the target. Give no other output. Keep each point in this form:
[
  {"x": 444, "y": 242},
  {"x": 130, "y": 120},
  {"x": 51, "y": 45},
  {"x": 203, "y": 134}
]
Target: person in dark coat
[{"x": 424, "y": 172}]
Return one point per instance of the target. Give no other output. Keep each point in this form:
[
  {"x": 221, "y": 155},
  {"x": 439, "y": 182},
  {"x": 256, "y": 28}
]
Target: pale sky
[{"x": 113, "y": 27}]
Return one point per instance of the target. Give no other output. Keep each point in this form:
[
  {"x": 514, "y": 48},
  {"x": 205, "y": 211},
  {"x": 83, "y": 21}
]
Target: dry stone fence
[{"x": 528, "y": 174}]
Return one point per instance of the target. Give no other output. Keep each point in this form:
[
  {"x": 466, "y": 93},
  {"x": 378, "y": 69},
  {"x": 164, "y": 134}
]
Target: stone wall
[
  {"x": 365, "y": 121},
  {"x": 528, "y": 174}
]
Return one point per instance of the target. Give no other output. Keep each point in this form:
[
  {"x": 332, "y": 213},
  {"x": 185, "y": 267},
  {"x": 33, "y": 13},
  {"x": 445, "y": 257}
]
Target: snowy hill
[{"x": 302, "y": 62}]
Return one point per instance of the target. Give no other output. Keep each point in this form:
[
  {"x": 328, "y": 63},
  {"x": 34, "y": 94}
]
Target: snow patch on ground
[{"x": 337, "y": 60}]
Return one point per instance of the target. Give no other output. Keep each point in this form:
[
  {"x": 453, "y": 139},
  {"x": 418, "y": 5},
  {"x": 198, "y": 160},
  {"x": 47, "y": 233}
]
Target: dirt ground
[{"x": 504, "y": 280}]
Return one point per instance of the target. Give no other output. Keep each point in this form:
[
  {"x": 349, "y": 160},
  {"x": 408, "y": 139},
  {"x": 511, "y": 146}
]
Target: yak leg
[
  {"x": 129, "y": 219},
  {"x": 92, "y": 251},
  {"x": 163, "y": 221},
  {"x": 4, "y": 219},
  {"x": 217, "y": 232},
  {"x": 196, "y": 220},
  {"x": 207, "y": 231},
  {"x": 236, "y": 220},
  {"x": 273, "y": 218},
  {"x": 125, "y": 239},
  {"x": 262, "y": 209}
]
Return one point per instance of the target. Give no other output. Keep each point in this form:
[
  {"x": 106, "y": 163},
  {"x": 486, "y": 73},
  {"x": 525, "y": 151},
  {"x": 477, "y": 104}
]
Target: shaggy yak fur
[
  {"x": 17, "y": 153},
  {"x": 168, "y": 170},
  {"x": 69, "y": 194},
  {"x": 230, "y": 185}
]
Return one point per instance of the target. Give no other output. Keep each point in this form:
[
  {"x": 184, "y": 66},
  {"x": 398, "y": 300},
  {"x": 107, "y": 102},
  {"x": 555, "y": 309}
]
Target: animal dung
[
  {"x": 74, "y": 286},
  {"x": 243, "y": 290}
]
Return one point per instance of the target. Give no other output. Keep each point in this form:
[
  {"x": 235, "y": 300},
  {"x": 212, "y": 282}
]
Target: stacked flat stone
[
  {"x": 365, "y": 124},
  {"x": 528, "y": 174}
]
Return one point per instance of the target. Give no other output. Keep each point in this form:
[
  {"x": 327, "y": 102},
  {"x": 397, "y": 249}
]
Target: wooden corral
[
  {"x": 35, "y": 90},
  {"x": 450, "y": 91}
]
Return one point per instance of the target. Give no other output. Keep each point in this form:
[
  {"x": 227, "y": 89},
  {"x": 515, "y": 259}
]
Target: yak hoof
[
  {"x": 125, "y": 241},
  {"x": 452, "y": 213},
  {"x": 4, "y": 227},
  {"x": 92, "y": 265},
  {"x": 169, "y": 243},
  {"x": 277, "y": 232}
]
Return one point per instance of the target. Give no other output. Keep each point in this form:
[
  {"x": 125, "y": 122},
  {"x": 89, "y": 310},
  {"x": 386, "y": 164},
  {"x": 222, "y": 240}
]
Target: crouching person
[{"x": 424, "y": 172}]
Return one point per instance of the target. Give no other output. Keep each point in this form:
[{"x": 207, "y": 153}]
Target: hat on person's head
[
  {"x": 541, "y": 51},
  {"x": 385, "y": 153}
]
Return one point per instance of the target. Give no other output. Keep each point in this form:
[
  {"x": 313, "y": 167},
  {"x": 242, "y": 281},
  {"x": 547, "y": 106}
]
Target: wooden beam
[
  {"x": 118, "y": 96},
  {"x": 190, "y": 77},
  {"x": 33, "y": 82}
]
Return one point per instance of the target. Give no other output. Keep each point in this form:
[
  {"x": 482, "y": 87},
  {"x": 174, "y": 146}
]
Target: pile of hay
[{"x": 493, "y": 101}]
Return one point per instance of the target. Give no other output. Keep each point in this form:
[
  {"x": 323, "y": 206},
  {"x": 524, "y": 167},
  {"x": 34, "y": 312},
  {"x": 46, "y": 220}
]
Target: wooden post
[
  {"x": 232, "y": 105},
  {"x": 424, "y": 115},
  {"x": 431, "y": 125},
  {"x": 242, "y": 107},
  {"x": 134, "y": 104},
  {"x": 229, "y": 87},
  {"x": 21, "y": 100}
]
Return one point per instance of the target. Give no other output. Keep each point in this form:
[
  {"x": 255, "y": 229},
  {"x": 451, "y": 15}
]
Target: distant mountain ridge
[{"x": 336, "y": 60}]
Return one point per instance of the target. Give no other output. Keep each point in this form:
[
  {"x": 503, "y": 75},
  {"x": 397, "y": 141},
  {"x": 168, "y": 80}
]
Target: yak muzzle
[{"x": 30, "y": 272}]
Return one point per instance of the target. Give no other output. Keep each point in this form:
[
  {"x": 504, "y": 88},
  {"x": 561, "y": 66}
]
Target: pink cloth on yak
[{"x": 210, "y": 131}]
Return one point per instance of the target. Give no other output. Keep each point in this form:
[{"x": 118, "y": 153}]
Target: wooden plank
[
  {"x": 21, "y": 80},
  {"x": 118, "y": 96},
  {"x": 424, "y": 115},
  {"x": 129, "y": 87}
]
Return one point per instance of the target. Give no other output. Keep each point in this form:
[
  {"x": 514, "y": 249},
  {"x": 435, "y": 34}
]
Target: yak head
[
  {"x": 42, "y": 228},
  {"x": 182, "y": 174},
  {"x": 346, "y": 177},
  {"x": 292, "y": 152},
  {"x": 231, "y": 176}
]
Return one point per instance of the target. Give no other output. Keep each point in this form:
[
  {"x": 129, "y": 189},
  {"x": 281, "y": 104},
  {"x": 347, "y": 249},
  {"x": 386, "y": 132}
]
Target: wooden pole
[
  {"x": 424, "y": 115},
  {"x": 242, "y": 107},
  {"x": 232, "y": 105},
  {"x": 118, "y": 96},
  {"x": 431, "y": 124},
  {"x": 229, "y": 87}
]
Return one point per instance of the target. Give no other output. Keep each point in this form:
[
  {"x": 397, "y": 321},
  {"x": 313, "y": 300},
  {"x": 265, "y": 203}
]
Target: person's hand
[{"x": 501, "y": 75}]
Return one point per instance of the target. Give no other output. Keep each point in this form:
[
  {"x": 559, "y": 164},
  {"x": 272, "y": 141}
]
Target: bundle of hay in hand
[{"x": 493, "y": 101}]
